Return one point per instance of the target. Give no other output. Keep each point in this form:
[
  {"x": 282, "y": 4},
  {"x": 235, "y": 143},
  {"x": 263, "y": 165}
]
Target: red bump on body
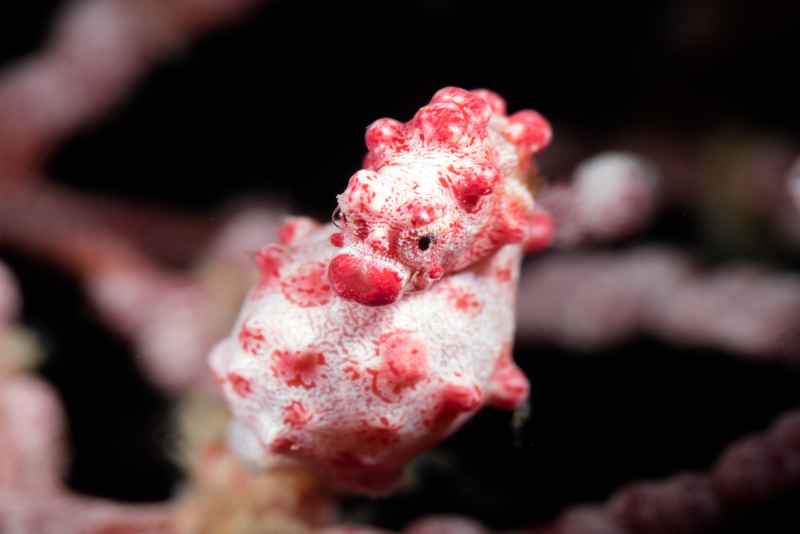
[
  {"x": 454, "y": 400},
  {"x": 463, "y": 300},
  {"x": 384, "y": 138},
  {"x": 446, "y": 124},
  {"x": 252, "y": 339},
  {"x": 435, "y": 272},
  {"x": 512, "y": 225},
  {"x": 360, "y": 193},
  {"x": 479, "y": 108},
  {"x": 505, "y": 272},
  {"x": 268, "y": 260},
  {"x": 420, "y": 213},
  {"x": 364, "y": 282},
  {"x": 509, "y": 385},
  {"x": 495, "y": 101},
  {"x": 352, "y": 372},
  {"x": 540, "y": 231},
  {"x": 308, "y": 286},
  {"x": 529, "y": 129},
  {"x": 404, "y": 362},
  {"x": 240, "y": 384},
  {"x": 337, "y": 239},
  {"x": 295, "y": 229},
  {"x": 286, "y": 233},
  {"x": 471, "y": 186},
  {"x": 282, "y": 444},
  {"x": 296, "y": 415},
  {"x": 297, "y": 368}
]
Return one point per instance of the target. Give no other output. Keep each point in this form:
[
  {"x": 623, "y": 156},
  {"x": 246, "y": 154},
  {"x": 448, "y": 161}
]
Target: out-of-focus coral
[
  {"x": 32, "y": 460},
  {"x": 793, "y": 183},
  {"x": 9, "y": 297},
  {"x": 743, "y": 309},
  {"x": 223, "y": 495},
  {"x": 428, "y": 525},
  {"x": 751, "y": 471},
  {"x": 445, "y": 525},
  {"x": 174, "y": 319},
  {"x": 32, "y": 432},
  {"x": 98, "y": 50},
  {"x": 613, "y": 196},
  {"x": 616, "y": 195},
  {"x": 19, "y": 348}
]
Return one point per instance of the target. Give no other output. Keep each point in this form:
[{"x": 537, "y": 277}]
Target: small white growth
[{"x": 615, "y": 194}]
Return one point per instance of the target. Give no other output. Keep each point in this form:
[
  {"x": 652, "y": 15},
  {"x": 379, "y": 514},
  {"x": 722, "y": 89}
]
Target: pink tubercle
[
  {"x": 297, "y": 368},
  {"x": 455, "y": 400},
  {"x": 463, "y": 300},
  {"x": 269, "y": 260},
  {"x": 252, "y": 339},
  {"x": 509, "y": 386},
  {"x": 337, "y": 239},
  {"x": 240, "y": 384},
  {"x": 529, "y": 129},
  {"x": 404, "y": 363},
  {"x": 308, "y": 287},
  {"x": 541, "y": 231},
  {"x": 295, "y": 229},
  {"x": 295, "y": 415}
]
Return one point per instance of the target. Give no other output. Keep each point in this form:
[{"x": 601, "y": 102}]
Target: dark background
[{"x": 278, "y": 106}]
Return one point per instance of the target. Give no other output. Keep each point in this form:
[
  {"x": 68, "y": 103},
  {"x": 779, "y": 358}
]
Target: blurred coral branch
[
  {"x": 97, "y": 52},
  {"x": 750, "y": 472},
  {"x": 658, "y": 291},
  {"x": 32, "y": 495}
]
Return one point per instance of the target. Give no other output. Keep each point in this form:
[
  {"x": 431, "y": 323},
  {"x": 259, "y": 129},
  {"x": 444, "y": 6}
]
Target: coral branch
[
  {"x": 9, "y": 297},
  {"x": 744, "y": 309},
  {"x": 613, "y": 196},
  {"x": 99, "y": 49},
  {"x": 65, "y": 514},
  {"x": 32, "y": 460},
  {"x": 751, "y": 471}
]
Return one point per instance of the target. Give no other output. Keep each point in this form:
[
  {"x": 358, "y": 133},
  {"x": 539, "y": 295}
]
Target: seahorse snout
[{"x": 367, "y": 282}]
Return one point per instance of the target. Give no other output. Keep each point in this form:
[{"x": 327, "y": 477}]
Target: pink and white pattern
[{"x": 371, "y": 339}]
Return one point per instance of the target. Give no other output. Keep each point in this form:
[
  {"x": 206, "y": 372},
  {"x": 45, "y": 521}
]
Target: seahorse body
[{"x": 369, "y": 341}]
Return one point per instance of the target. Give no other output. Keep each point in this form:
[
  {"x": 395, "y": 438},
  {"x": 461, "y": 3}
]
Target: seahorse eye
[
  {"x": 338, "y": 218},
  {"x": 424, "y": 242}
]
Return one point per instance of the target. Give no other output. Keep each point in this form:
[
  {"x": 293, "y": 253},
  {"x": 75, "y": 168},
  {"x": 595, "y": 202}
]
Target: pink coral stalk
[
  {"x": 98, "y": 51},
  {"x": 746, "y": 310},
  {"x": 751, "y": 471},
  {"x": 613, "y": 196}
]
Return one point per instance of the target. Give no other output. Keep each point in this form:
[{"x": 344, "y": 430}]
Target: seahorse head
[{"x": 436, "y": 195}]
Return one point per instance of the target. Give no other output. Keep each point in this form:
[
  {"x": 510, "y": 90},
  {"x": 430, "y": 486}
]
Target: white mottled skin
[
  {"x": 462, "y": 349},
  {"x": 366, "y": 388}
]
